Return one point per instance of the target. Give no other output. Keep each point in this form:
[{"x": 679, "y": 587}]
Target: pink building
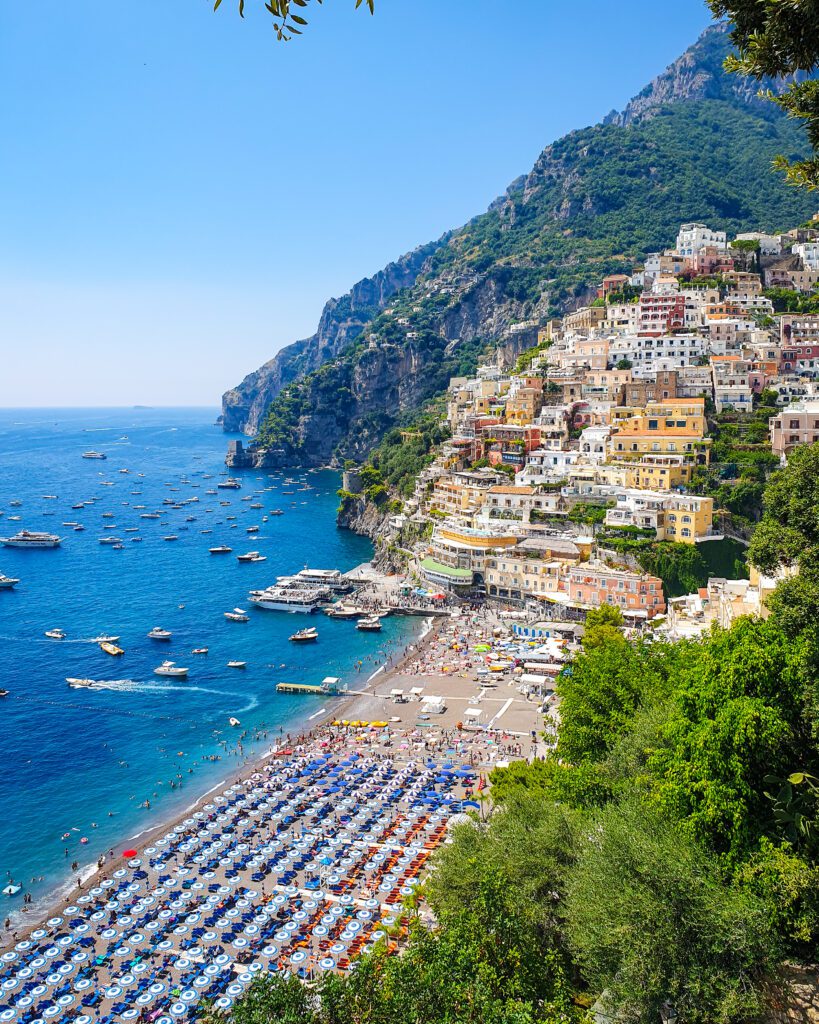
[
  {"x": 661, "y": 314},
  {"x": 596, "y": 585}
]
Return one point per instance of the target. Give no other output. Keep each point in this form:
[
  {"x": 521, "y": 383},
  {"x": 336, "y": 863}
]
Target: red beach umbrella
[{"x": 129, "y": 853}]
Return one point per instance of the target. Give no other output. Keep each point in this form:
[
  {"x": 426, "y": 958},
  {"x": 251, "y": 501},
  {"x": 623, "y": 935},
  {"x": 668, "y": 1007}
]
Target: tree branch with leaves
[{"x": 287, "y": 21}]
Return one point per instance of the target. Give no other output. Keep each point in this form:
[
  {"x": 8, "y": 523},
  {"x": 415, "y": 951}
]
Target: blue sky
[{"x": 179, "y": 194}]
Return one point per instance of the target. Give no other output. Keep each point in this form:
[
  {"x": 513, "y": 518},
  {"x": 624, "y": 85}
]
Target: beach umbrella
[{"x": 179, "y": 1009}]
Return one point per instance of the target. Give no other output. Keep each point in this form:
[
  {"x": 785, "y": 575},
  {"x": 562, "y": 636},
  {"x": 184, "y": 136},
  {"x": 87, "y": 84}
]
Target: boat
[
  {"x": 149, "y": 515},
  {"x": 345, "y": 611},
  {"x": 104, "y": 638},
  {"x": 110, "y": 540},
  {"x": 237, "y": 615},
  {"x": 158, "y": 633},
  {"x": 237, "y": 664},
  {"x": 55, "y": 634},
  {"x": 199, "y": 650},
  {"x": 249, "y": 556},
  {"x": 136, "y": 540},
  {"x": 119, "y": 546},
  {"x": 94, "y": 455},
  {"x": 333, "y": 579},
  {"x": 171, "y": 536},
  {"x": 252, "y": 529},
  {"x": 77, "y": 684},
  {"x": 289, "y": 595},
  {"x": 170, "y": 668},
  {"x": 372, "y": 624},
  {"x": 7, "y": 582},
  {"x": 78, "y": 528},
  {"x": 31, "y": 539},
  {"x": 221, "y": 549},
  {"x": 304, "y": 636},
  {"x": 231, "y": 484},
  {"x": 111, "y": 649},
  {"x": 234, "y": 721},
  {"x": 276, "y": 512},
  {"x": 4, "y": 693}
]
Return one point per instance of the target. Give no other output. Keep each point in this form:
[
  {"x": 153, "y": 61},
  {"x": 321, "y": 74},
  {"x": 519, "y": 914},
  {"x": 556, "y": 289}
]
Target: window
[{"x": 652, "y": 424}]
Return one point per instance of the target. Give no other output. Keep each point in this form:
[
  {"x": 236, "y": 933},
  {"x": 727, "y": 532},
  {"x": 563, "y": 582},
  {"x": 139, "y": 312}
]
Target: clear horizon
[{"x": 167, "y": 230}]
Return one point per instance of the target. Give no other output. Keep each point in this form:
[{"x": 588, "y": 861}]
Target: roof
[
  {"x": 500, "y": 489},
  {"x": 446, "y": 570}
]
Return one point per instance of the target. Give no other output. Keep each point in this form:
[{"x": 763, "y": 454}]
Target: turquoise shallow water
[{"x": 70, "y": 758}]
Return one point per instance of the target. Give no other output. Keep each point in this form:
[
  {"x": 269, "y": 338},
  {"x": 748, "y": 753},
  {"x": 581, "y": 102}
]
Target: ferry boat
[
  {"x": 304, "y": 636},
  {"x": 170, "y": 668},
  {"x": 111, "y": 649},
  {"x": 31, "y": 539},
  {"x": 94, "y": 455},
  {"x": 231, "y": 484},
  {"x": 55, "y": 634},
  {"x": 290, "y": 596},
  {"x": 333, "y": 579},
  {"x": 7, "y": 582},
  {"x": 158, "y": 633},
  {"x": 221, "y": 549},
  {"x": 237, "y": 615},
  {"x": 372, "y": 624}
]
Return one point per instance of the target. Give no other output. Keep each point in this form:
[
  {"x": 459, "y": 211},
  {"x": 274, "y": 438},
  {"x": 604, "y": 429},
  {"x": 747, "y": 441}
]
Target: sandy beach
[{"x": 284, "y": 842}]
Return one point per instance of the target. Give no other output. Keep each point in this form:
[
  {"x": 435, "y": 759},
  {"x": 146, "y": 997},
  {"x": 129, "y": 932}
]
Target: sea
[{"x": 83, "y": 772}]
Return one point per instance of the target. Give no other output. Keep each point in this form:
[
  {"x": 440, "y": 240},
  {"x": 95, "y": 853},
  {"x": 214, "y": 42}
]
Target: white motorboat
[
  {"x": 199, "y": 650},
  {"x": 231, "y": 484},
  {"x": 170, "y": 668},
  {"x": 7, "y": 582},
  {"x": 158, "y": 633},
  {"x": 55, "y": 634},
  {"x": 249, "y": 556},
  {"x": 221, "y": 549},
  {"x": 31, "y": 539},
  {"x": 371, "y": 624},
  {"x": 304, "y": 636},
  {"x": 237, "y": 615},
  {"x": 77, "y": 684},
  {"x": 104, "y": 638},
  {"x": 237, "y": 664},
  {"x": 94, "y": 455}
]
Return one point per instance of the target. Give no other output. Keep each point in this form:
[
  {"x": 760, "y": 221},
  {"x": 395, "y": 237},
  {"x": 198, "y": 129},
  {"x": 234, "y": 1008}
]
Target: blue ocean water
[{"x": 83, "y": 762}]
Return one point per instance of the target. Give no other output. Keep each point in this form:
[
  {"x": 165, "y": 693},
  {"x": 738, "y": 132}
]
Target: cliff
[
  {"x": 696, "y": 144},
  {"x": 341, "y": 321}
]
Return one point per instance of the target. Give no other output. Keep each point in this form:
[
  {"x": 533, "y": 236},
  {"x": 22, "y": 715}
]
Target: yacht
[
  {"x": 149, "y": 515},
  {"x": 31, "y": 539},
  {"x": 170, "y": 668},
  {"x": 111, "y": 649},
  {"x": 289, "y": 596},
  {"x": 237, "y": 615},
  {"x": 77, "y": 684},
  {"x": 249, "y": 556},
  {"x": 55, "y": 634},
  {"x": 158, "y": 633},
  {"x": 221, "y": 549},
  {"x": 7, "y": 582},
  {"x": 371, "y": 624},
  {"x": 304, "y": 636},
  {"x": 110, "y": 540},
  {"x": 231, "y": 484},
  {"x": 94, "y": 455},
  {"x": 171, "y": 536}
]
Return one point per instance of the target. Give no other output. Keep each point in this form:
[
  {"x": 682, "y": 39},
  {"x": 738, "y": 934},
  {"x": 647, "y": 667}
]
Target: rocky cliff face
[{"x": 342, "y": 320}]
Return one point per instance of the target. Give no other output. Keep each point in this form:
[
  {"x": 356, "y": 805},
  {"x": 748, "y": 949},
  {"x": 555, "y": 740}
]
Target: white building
[
  {"x": 769, "y": 245},
  {"x": 693, "y": 237},
  {"x": 808, "y": 252}
]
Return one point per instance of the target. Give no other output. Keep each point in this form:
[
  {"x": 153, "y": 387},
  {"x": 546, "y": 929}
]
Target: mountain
[{"x": 695, "y": 144}]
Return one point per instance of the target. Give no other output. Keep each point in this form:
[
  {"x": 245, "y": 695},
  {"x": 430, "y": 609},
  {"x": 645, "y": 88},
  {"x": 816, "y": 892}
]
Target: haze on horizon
[{"x": 181, "y": 194}]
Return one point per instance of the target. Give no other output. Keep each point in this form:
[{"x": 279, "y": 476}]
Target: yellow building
[{"x": 673, "y": 429}]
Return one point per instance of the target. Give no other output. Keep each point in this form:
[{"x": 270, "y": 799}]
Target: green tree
[
  {"x": 650, "y": 921},
  {"x": 287, "y": 21},
  {"x": 778, "y": 38}
]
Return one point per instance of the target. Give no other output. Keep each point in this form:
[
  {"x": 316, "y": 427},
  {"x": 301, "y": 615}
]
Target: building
[
  {"x": 591, "y": 585},
  {"x": 693, "y": 237},
  {"x": 795, "y": 425},
  {"x": 682, "y": 518}
]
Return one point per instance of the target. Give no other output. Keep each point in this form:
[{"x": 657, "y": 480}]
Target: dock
[{"x": 329, "y": 687}]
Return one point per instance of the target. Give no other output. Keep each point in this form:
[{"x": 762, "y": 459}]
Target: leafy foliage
[{"x": 287, "y": 21}]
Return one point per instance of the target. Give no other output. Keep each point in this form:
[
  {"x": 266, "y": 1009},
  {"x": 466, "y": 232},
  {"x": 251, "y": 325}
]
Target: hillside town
[{"x": 559, "y": 469}]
